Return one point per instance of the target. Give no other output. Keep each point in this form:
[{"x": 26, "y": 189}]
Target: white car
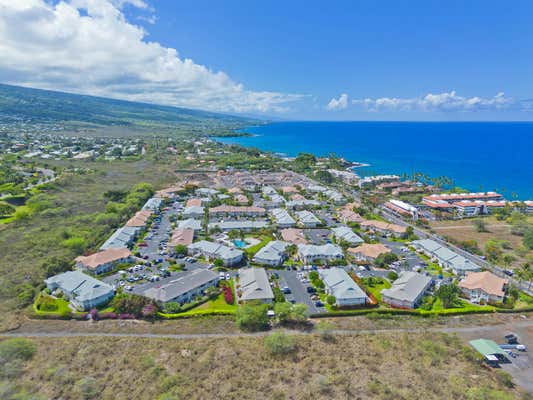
[
  {"x": 228, "y": 277},
  {"x": 129, "y": 287}
]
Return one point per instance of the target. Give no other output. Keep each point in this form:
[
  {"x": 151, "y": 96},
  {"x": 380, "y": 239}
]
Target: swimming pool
[{"x": 240, "y": 243}]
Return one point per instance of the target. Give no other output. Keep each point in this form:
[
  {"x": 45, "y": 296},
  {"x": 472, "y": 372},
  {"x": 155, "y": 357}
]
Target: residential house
[
  {"x": 345, "y": 234},
  {"x": 190, "y": 223},
  {"x": 140, "y": 219},
  {"x": 309, "y": 253},
  {"x": 483, "y": 286},
  {"x": 339, "y": 284},
  {"x": 272, "y": 254},
  {"x": 368, "y": 252},
  {"x": 240, "y": 225},
  {"x": 153, "y": 204},
  {"x": 104, "y": 261},
  {"x": 211, "y": 250},
  {"x": 225, "y": 211},
  {"x": 282, "y": 218},
  {"x": 184, "y": 288},
  {"x": 293, "y": 235},
  {"x": 253, "y": 285},
  {"x": 181, "y": 236},
  {"x": 307, "y": 219},
  {"x": 407, "y": 291},
  {"x": 383, "y": 227},
  {"x": 122, "y": 237},
  {"x": 402, "y": 208},
  {"x": 83, "y": 291},
  {"x": 195, "y": 212},
  {"x": 193, "y": 202},
  {"x": 445, "y": 257},
  {"x": 241, "y": 199},
  {"x": 302, "y": 204}
]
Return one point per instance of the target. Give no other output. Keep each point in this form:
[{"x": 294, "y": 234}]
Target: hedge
[
  {"x": 418, "y": 312},
  {"x": 195, "y": 313}
]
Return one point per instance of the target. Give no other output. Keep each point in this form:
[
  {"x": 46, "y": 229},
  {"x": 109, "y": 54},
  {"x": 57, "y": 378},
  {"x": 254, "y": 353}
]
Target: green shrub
[
  {"x": 252, "y": 317},
  {"x": 280, "y": 343},
  {"x": 17, "y": 349}
]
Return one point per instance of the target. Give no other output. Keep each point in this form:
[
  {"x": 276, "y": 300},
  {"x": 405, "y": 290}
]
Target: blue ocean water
[{"x": 479, "y": 156}]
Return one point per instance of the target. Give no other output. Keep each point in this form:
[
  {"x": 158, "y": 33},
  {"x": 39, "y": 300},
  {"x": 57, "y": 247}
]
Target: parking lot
[
  {"x": 317, "y": 236},
  {"x": 298, "y": 290}
]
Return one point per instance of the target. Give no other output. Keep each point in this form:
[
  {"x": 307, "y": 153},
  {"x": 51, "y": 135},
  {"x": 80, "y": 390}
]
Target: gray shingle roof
[
  {"x": 341, "y": 285},
  {"x": 181, "y": 285},
  {"x": 407, "y": 287},
  {"x": 272, "y": 251},
  {"x": 254, "y": 284},
  {"x": 83, "y": 286},
  {"x": 346, "y": 234}
]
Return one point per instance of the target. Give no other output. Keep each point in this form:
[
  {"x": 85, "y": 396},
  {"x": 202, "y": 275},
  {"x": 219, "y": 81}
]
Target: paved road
[
  {"x": 472, "y": 257},
  {"x": 468, "y": 329}
]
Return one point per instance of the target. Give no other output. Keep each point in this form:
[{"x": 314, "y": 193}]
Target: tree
[
  {"x": 299, "y": 312},
  {"x": 493, "y": 250},
  {"x": 324, "y": 176},
  {"x": 331, "y": 300},
  {"x": 448, "y": 294},
  {"x": 252, "y": 317},
  {"x": 528, "y": 239},
  {"x": 218, "y": 263},
  {"x": 180, "y": 249},
  {"x": 525, "y": 273},
  {"x": 480, "y": 225},
  {"x": 130, "y": 304},
  {"x": 385, "y": 259},
  {"x": 283, "y": 312},
  {"x": 392, "y": 276},
  {"x": 280, "y": 343}
]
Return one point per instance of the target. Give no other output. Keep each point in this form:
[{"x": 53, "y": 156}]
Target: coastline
[{"x": 408, "y": 148}]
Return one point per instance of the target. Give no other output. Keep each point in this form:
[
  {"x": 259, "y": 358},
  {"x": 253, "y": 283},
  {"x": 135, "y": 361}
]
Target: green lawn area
[
  {"x": 461, "y": 305},
  {"x": 48, "y": 305},
  {"x": 217, "y": 305},
  {"x": 255, "y": 248},
  {"x": 376, "y": 288}
]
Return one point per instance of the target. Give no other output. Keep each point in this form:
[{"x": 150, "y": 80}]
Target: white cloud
[
  {"x": 97, "y": 51},
  {"x": 436, "y": 102},
  {"x": 338, "y": 104}
]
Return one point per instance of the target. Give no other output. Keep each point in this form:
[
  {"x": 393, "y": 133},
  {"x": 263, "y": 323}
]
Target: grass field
[
  {"x": 384, "y": 366},
  {"x": 462, "y": 230}
]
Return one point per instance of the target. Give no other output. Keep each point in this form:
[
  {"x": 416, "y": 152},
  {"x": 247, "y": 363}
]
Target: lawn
[
  {"x": 376, "y": 288},
  {"x": 55, "y": 306},
  {"x": 250, "y": 251}
]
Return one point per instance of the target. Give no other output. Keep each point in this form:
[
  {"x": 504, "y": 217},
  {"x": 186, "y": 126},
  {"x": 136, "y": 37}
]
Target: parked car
[
  {"x": 143, "y": 244},
  {"x": 228, "y": 277},
  {"x": 129, "y": 287},
  {"x": 286, "y": 290},
  {"x": 319, "y": 303},
  {"x": 310, "y": 289}
]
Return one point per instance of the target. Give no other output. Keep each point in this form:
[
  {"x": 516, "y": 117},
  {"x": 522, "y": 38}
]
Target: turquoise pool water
[{"x": 240, "y": 243}]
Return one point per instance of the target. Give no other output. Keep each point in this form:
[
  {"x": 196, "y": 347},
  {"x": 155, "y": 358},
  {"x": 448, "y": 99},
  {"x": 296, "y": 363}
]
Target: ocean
[{"x": 478, "y": 156}]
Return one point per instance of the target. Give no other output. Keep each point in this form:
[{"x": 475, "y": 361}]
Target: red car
[{"x": 143, "y": 244}]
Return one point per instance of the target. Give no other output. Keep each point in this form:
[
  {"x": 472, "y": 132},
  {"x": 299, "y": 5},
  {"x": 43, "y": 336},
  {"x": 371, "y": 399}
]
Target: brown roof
[
  {"x": 369, "y": 250},
  {"x": 241, "y": 198},
  {"x": 486, "y": 281},
  {"x": 194, "y": 203},
  {"x": 236, "y": 209},
  {"x": 289, "y": 189},
  {"x": 167, "y": 192},
  {"x": 235, "y": 190},
  {"x": 297, "y": 196},
  {"x": 181, "y": 236},
  {"x": 103, "y": 257},
  {"x": 382, "y": 225},
  {"x": 293, "y": 235},
  {"x": 349, "y": 215},
  {"x": 140, "y": 218}
]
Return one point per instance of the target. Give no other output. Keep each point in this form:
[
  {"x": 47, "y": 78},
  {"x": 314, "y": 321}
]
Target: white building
[
  {"x": 343, "y": 233},
  {"x": 273, "y": 253},
  {"x": 307, "y": 219},
  {"x": 339, "y": 284},
  {"x": 211, "y": 250},
  {"x": 309, "y": 253},
  {"x": 282, "y": 218}
]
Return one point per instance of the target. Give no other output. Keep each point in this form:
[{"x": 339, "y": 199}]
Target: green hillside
[{"x": 73, "y": 111}]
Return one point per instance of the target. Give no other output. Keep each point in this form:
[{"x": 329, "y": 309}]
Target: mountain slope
[{"x": 81, "y": 111}]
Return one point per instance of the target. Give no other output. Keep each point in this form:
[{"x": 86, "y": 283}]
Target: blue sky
[{"x": 372, "y": 60}]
